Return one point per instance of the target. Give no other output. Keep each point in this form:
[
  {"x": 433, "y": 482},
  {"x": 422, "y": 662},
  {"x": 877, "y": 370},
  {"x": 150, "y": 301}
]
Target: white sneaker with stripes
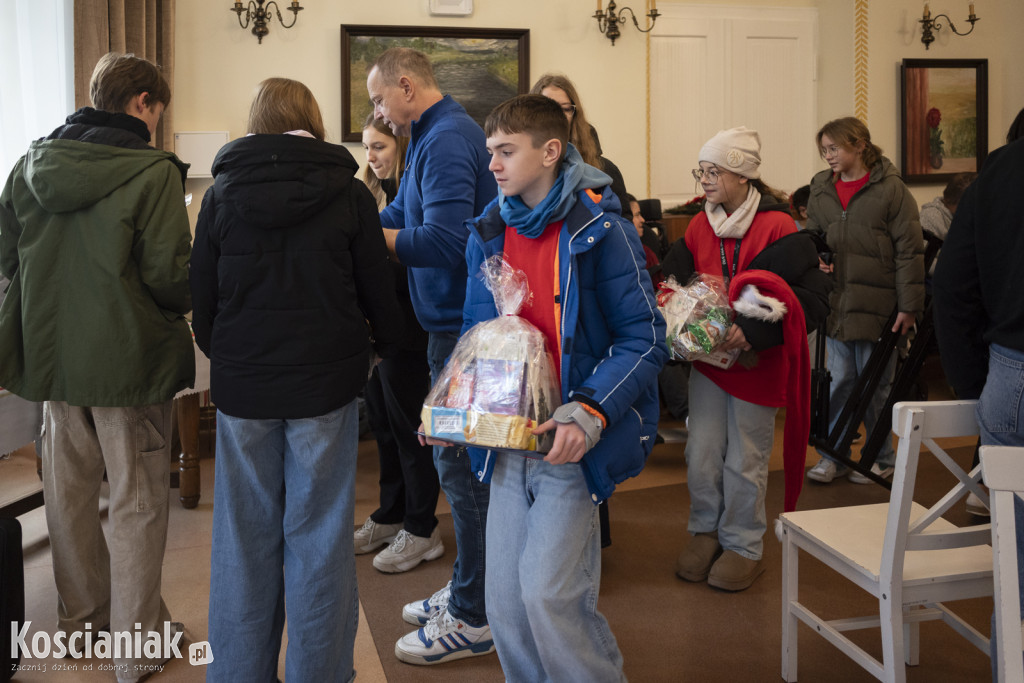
[
  {"x": 444, "y": 638},
  {"x": 419, "y": 612}
]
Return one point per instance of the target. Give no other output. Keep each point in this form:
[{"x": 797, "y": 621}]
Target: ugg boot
[
  {"x": 733, "y": 572},
  {"x": 695, "y": 561}
]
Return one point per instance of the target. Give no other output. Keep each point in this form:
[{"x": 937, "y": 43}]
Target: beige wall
[{"x": 218, "y": 64}]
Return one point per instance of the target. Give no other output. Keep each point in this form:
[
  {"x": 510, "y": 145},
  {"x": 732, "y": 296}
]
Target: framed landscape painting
[
  {"x": 945, "y": 118},
  {"x": 479, "y": 67}
]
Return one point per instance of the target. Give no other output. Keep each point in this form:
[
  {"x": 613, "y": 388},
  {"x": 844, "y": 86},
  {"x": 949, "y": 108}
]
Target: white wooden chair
[
  {"x": 1003, "y": 467},
  {"x": 907, "y": 556}
]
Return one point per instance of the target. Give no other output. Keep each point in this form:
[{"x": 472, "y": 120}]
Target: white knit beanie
[{"x": 737, "y": 150}]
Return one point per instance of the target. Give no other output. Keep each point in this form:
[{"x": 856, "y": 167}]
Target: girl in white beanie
[{"x": 747, "y": 236}]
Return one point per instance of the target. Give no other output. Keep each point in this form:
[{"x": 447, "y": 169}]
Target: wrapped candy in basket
[
  {"x": 697, "y": 318},
  {"x": 499, "y": 383}
]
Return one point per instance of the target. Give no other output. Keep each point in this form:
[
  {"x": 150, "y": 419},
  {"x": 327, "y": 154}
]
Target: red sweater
[
  {"x": 538, "y": 259},
  {"x": 764, "y": 384}
]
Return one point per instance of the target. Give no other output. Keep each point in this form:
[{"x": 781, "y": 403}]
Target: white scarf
[{"x": 735, "y": 225}]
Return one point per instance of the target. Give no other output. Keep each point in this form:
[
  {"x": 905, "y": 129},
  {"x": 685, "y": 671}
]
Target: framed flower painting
[{"x": 945, "y": 118}]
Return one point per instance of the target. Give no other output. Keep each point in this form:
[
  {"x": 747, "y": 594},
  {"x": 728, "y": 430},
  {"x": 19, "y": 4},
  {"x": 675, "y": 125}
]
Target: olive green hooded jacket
[
  {"x": 95, "y": 239},
  {"x": 878, "y": 251}
]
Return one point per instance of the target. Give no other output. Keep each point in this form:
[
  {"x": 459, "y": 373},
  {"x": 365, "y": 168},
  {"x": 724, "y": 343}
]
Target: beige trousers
[{"x": 114, "y": 578}]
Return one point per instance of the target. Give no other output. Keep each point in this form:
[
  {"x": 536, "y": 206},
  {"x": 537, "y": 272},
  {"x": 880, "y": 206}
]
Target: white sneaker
[
  {"x": 976, "y": 506},
  {"x": 826, "y": 470},
  {"x": 420, "y": 612},
  {"x": 444, "y": 638},
  {"x": 883, "y": 471},
  {"x": 407, "y": 551},
  {"x": 371, "y": 535}
]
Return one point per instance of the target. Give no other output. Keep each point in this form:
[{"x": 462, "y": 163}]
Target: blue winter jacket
[
  {"x": 613, "y": 336},
  {"x": 446, "y": 183}
]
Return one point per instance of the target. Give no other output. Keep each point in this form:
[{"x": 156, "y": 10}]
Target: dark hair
[
  {"x": 581, "y": 133},
  {"x": 956, "y": 186},
  {"x": 396, "y": 62},
  {"x": 535, "y": 115},
  {"x": 800, "y": 197},
  {"x": 118, "y": 78},
  {"x": 282, "y": 105},
  {"x": 767, "y": 190},
  {"x": 1016, "y": 131},
  {"x": 630, "y": 198},
  {"x": 847, "y": 132},
  {"x": 401, "y": 143}
]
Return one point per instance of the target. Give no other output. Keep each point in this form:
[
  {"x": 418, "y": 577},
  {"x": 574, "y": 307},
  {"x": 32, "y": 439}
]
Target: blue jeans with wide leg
[
  {"x": 727, "y": 456},
  {"x": 1001, "y": 419},
  {"x": 469, "y": 500},
  {"x": 544, "y": 575},
  {"x": 284, "y": 492}
]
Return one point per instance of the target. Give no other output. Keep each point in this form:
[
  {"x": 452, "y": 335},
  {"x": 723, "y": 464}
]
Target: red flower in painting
[{"x": 933, "y": 117}]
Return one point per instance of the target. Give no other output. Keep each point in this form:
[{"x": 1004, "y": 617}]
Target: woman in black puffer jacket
[{"x": 291, "y": 294}]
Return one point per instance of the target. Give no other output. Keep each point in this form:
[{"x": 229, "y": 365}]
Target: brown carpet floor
[{"x": 671, "y": 630}]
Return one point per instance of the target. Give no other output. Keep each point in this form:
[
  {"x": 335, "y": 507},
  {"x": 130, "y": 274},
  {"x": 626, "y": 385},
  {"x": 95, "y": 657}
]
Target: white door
[{"x": 719, "y": 67}]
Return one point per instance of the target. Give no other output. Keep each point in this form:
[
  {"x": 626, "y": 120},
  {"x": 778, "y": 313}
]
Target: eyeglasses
[
  {"x": 709, "y": 176},
  {"x": 568, "y": 108},
  {"x": 830, "y": 151}
]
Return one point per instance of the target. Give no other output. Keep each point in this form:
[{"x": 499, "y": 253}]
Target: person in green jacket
[
  {"x": 95, "y": 237},
  {"x": 870, "y": 221}
]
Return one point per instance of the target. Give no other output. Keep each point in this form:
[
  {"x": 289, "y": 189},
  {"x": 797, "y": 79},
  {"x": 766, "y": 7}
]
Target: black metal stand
[{"x": 836, "y": 443}]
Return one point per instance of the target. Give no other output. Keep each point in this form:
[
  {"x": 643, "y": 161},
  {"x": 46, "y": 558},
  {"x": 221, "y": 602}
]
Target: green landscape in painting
[{"x": 479, "y": 73}]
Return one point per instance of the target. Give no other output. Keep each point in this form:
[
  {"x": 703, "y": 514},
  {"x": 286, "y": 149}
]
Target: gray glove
[{"x": 575, "y": 412}]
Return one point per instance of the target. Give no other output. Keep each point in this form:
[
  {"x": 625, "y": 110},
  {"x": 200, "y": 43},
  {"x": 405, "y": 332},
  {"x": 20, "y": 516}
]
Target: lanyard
[{"x": 725, "y": 264}]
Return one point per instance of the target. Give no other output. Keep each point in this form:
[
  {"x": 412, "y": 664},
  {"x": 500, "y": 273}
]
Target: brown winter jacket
[{"x": 878, "y": 251}]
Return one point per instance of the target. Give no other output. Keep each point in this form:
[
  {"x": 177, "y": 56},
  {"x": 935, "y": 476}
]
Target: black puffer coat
[{"x": 288, "y": 267}]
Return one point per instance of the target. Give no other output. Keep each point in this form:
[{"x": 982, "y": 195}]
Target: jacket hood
[
  {"x": 70, "y": 175},
  {"x": 580, "y": 175},
  {"x": 938, "y": 205},
  {"x": 273, "y": 181}
]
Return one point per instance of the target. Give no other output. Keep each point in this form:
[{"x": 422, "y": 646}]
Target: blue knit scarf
[{"x": 574, "y": 176}]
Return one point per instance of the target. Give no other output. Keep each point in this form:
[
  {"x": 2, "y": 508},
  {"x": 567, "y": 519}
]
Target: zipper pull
[{"x": 843, "y": 217}]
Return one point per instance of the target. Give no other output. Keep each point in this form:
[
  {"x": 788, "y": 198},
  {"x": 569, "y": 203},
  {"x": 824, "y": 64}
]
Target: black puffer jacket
[{"x": 288, "y": 266}]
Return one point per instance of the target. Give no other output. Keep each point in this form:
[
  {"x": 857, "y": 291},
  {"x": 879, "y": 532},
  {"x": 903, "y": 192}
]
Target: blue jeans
[
  {"x": 544, "y": 559},
  {"x": 1001, "y": 418},
  {"x": 468, "y": 499},
  {"x": 845, "y": 362},
  {"x": 727, "y": 455},
  {"x": 282, "y": 532}
]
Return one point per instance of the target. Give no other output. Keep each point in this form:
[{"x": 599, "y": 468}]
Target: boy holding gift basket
[{"x": 556, "y": 219}]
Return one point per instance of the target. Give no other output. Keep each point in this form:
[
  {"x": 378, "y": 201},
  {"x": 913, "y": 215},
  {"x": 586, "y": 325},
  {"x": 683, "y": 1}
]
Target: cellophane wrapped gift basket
[
  {"x": 697, "y": 318},
  {"x": 500, "y": 380}
]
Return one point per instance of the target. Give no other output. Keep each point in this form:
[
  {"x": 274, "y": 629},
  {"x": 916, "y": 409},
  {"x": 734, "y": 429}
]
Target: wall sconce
[
  {"x": 259, "y": 16},
  {"x": 928, "y": 24},
  {"x": 608, "y": 21}
]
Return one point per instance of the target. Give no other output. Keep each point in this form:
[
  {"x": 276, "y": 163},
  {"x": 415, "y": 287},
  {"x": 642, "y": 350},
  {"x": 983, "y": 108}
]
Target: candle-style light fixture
[
  {"x": 928, "y": 24},
  {"x": 608, "y": 20},
  {"x": 259, "y": 15}
]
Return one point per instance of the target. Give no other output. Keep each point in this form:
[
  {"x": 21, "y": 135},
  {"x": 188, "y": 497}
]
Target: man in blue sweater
[{"x": 446, "y": 183}]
